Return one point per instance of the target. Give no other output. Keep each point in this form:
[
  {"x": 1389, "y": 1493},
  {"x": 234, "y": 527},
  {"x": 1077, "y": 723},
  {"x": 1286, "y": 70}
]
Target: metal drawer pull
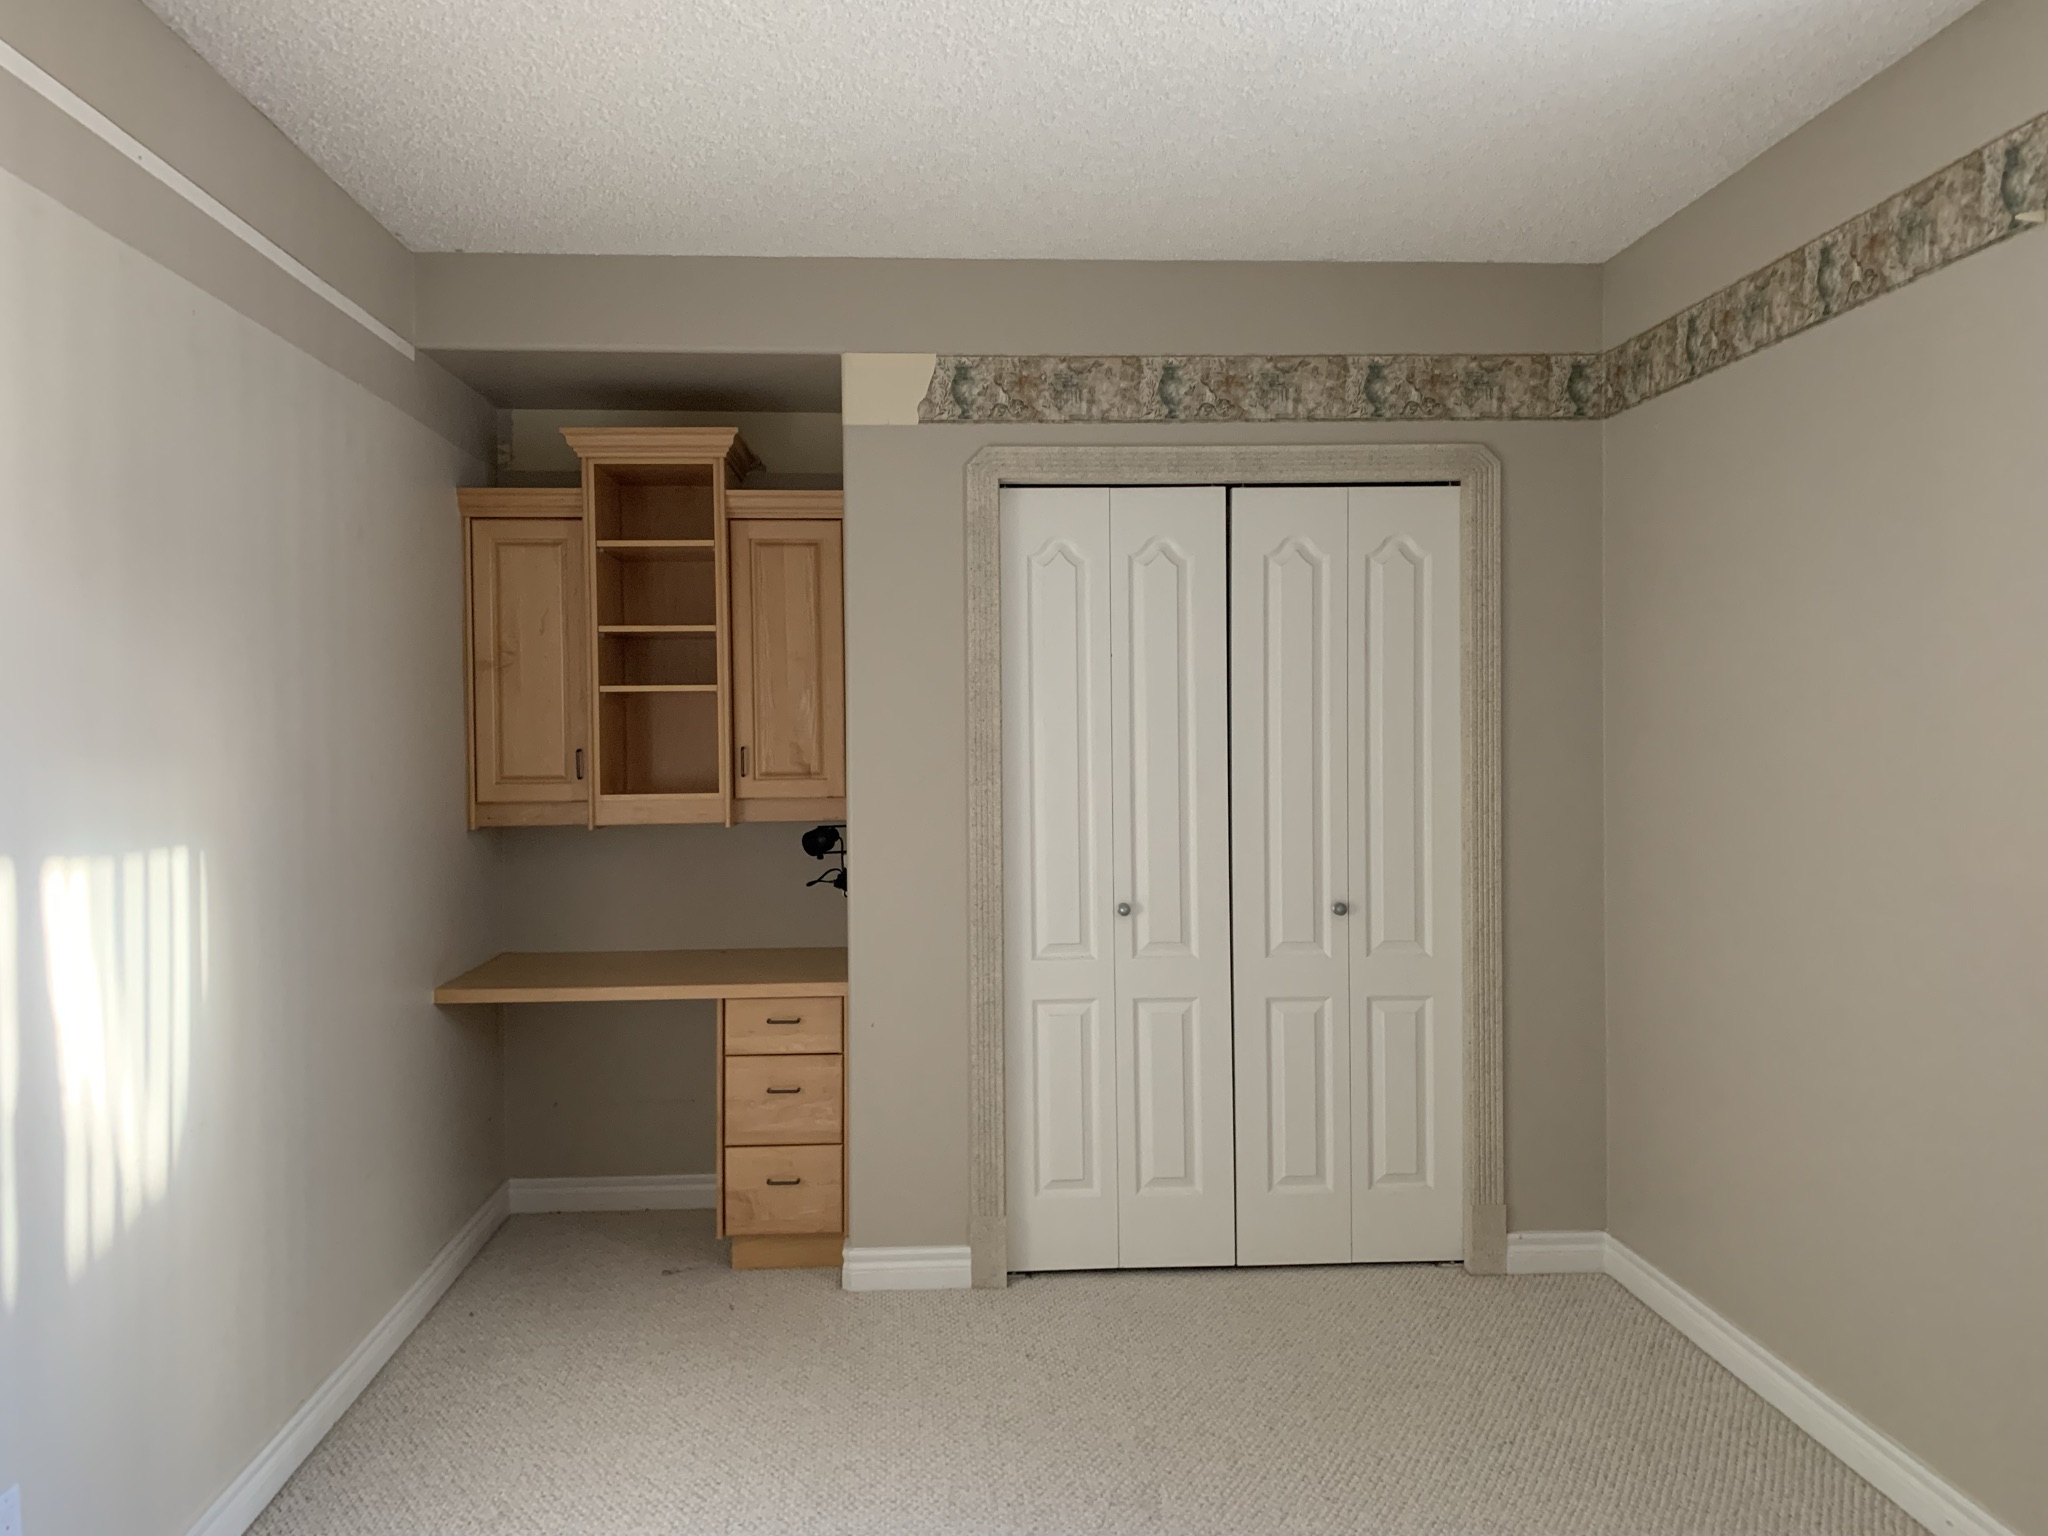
[
  {"x": 785, "y": 1181},
  {"x": 797, "y": 1020},
  {"x": 785, "y": 1090}
]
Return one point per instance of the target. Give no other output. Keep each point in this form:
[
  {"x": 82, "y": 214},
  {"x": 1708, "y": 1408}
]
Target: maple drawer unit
[{"x": 782, "y": 1131}]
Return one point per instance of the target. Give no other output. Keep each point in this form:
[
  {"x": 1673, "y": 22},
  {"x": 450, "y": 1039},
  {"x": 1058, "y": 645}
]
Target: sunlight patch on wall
[
  {"x": 10, "y": 1093},
  {"x": 124, "y": 945}
]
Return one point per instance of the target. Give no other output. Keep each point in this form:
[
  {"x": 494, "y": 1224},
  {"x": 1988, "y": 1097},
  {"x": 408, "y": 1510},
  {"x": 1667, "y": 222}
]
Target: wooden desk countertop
[{"x": 649, "y": 975}]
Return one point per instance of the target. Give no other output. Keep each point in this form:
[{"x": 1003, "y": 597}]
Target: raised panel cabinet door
[
  {"x": 1406, "y": 927},
  {"x": 529, "y": 633},
  {"x": 1170, "y": 776},
  {"x": 788, "y": 658},
  {"x": 1290, "y": 878},
  {"x": 1059, "y": 975}
]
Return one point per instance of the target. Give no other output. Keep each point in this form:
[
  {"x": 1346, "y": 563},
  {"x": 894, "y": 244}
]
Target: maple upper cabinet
[
  {"x": 527, "y": 643},
  {"x": 788, "y": 655},
  {"x": 658, "y": 646}
]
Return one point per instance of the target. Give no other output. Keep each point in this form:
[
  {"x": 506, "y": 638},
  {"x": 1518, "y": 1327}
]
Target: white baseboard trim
[
  {"x": 637, "y": 1192},
  {"x": 1879, "y": 1460},
  {"x": 1557, "y": 1253},
  {"x": 233, "y": 1512},
  {"x": 907, "y": 1269}
]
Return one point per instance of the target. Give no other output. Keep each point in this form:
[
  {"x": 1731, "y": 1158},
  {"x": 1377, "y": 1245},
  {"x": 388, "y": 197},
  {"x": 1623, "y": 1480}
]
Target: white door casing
[
  {"x": 1059, "y": 972},
  {"x": 1475, "y": 474},
  {"x": 1170, "y": 819},
  {"x": 1289, "y": 810},
  {"x": 1406, "y": 858}
]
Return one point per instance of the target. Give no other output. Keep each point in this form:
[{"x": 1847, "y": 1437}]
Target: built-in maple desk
[
  {"x": 649, "y": 976},
  {"x": 781, "y": 1074}
]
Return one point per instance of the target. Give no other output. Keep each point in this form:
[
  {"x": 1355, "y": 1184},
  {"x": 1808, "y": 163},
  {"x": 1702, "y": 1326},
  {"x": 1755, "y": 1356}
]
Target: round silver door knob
[
  {"x": 1340, "y": 907},
  {"x": 1123, "y": 909}
]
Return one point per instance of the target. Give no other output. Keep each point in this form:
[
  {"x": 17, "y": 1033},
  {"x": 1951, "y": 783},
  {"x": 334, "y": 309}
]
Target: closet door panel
[
  {"x": 1059, "y": 928},
  {"x": 1290, "y": 807},
  {"x": 1407, "y": 1003},
  {"x": 1169, "y": 814}
]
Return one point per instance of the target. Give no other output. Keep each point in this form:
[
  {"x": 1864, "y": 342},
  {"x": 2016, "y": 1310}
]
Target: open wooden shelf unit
[{"x": 654, "y": 507}]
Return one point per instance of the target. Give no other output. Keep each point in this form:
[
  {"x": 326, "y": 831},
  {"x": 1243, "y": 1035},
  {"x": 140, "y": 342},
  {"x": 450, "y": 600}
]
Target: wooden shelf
[
  {"x": 698, "y": 807},
  {"x": 657, "y": 548},
  {"x": 649, "y": 975},
  {"x": 657, "y": 688},
  {"x": 657, "y": 629}
]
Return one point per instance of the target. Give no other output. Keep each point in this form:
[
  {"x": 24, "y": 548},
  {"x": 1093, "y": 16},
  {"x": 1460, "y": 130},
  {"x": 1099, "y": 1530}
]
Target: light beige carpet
[{"x": 608, "y": 1376}]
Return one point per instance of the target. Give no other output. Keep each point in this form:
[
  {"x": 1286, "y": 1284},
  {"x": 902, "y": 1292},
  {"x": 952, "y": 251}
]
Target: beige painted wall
[
  {"x": 906, "y": 751},
  {"x": 825, "y": 304},
  {"x": 225, "y": 626},
  {"x": 1827, "y": 843},
  {"x": 607, "y": 1088}
]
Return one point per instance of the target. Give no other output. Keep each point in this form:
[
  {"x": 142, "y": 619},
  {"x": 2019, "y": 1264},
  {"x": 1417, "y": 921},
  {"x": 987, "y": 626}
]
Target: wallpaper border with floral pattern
[{"x": 1987, "y": 196}]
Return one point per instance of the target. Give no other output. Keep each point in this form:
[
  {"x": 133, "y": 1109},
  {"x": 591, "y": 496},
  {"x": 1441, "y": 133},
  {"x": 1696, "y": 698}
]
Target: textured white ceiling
[{"x": 1436, "y": 130}]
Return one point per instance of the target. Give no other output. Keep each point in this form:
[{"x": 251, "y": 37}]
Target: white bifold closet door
[
  {"x": 1116, "y": 878},
  {"x": 1345, "y": 825}
]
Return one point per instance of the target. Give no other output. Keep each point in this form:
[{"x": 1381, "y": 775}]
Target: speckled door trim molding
[
  {"x": 1988, "y": 196},
  {"x": 1477, "y": 474}
]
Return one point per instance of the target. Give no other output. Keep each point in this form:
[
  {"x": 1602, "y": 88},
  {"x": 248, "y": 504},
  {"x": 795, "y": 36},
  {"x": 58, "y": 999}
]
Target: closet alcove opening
[{"x": 1474, "y": 472}]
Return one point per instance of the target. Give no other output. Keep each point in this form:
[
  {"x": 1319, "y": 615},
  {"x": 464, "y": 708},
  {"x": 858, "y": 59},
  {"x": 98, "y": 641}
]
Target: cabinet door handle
[
  {"x": 797, "y": 1020},
  {"x": 1340, "y": 907},
  {"x": 785, "y": 1181},
  {"x": 785, "y": 1090},
  {"x": 743, "y": 762},
  {"x": 579, "y": 762}
]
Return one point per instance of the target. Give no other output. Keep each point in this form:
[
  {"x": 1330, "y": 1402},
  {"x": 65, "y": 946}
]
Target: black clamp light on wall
[{"x": 828, "y": 842}]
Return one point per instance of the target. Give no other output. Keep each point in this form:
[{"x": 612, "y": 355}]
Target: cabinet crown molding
[
  {"x": 663, "y": 445},
  {"x": 520, "y": 501},
  {"x": 775, "y": 503}
]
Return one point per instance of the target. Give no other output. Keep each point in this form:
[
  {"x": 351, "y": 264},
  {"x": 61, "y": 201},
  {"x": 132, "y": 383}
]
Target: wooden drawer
[
  {"x": 782, "y": 1190},
  {"x": 779, "y": 1100},
  {"x": 784, "y": 1026}
]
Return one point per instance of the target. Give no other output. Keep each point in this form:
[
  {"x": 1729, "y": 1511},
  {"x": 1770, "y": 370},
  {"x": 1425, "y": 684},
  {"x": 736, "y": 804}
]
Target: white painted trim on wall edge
[
  {"x": 130, "y": 148},
  {"x": 1872, "y": 1455},
  {"x": 1557, "y": 1253},
  {"x": 638, "y": 1192},
  {"x": 245, "y": 1498},
  {"x": 907, "y": 1269}
]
